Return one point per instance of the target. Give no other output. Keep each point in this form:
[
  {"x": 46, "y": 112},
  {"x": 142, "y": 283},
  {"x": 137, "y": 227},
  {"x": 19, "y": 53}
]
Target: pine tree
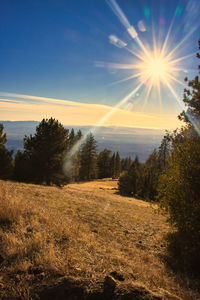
[
  {"x": 178, "y": 189},
  {"x": 72, "y": 160},
  {"x": 117, "y": 165},
  {"x": 47, "y": 150},
  {"x": 192, "y": 100},
  {"x": 22, "y": 167},
  {"x": 6, "y": 161},
  {"x": 149, "y": 177},
  {"x": 79, "y": 135},
  {"x": 128, "y": 181},
  {"x": 126, "y": 163},
  {"x": 72, "y": 138},
  {"x": 113, "y": 166},
  {"x": 104, "y": 161},
  {"x": 88, "y": 159},
  {"x": 164, "y": 151}
]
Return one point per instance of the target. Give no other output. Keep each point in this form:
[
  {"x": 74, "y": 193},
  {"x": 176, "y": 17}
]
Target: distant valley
[{"x": 127, "y": 141}]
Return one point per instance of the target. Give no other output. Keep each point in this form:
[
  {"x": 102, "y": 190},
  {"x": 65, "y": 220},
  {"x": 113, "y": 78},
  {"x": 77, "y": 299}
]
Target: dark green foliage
[
  {"x": 73, "y": 158},
  {"x": 126, "y": 163},
  {"x": 192, "y": 99},
  {"x": 88, "y": 159},
  {"x": 72, "y": 138},
  {"x": 129, "y": 180},
  {"x": 149, "y": 177},
  {"x": 22, "y": 168},
  {"x": 164, "y": 152},
  {"x": 179, "y": 196},
  {"x": 178, "y": 190},
  {"x": 113, "y": 166},
  {"x": 117, "y": 165},
  {"x": 46, "y": 151},
  {"x": 104, "y": 164},
  {"x": 142, "y": 179},
  {"x": 6, "y": 161}
]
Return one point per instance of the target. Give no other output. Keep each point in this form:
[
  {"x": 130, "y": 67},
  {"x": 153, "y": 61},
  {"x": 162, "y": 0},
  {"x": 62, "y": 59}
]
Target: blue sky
[{"x": 54, "y": 49}]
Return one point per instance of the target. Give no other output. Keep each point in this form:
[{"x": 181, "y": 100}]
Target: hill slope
[{"x": 83, "y": 239}]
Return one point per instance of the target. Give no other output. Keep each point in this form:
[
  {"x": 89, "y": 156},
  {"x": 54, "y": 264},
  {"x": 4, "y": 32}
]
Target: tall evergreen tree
[
  {"x": 126, "y": 163},
  {"x": 79, "y": 135},
  {"x": 113, "y": 166},
  {"x": 178, "y": 190},
  {"x": 73, "y": 159},
  {"x": 128, "y": 181},
  {"x": 149, "y": 177},
  {"x": 88, "y": 158},
  {"x": 118, "y": 165},
  {"x": 6, "y": 161},
  {"x": 46, "y": 150},
  {"x": 72, "y": 138},
  {"x": 104, "y": 162}
]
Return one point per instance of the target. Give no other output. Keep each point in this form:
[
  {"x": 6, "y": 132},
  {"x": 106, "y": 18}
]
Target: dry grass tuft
[{"x": 82, "y": 232}]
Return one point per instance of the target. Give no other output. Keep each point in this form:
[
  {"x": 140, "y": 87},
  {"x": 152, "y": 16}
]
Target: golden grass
[{"x": 82, "y": 231}]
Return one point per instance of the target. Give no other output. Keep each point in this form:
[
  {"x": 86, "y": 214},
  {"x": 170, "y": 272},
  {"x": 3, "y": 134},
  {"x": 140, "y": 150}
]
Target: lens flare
[{"x": 153, "y": 67}]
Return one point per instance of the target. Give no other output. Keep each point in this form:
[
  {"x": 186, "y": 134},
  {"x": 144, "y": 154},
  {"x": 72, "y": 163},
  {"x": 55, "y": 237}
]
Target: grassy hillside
[{"x": 83, "y": 239}]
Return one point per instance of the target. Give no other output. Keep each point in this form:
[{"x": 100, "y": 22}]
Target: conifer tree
[
  {"x": 22, "y": 167},
  {"x": 128, "y": 181},
  {"x": 6, "y": 161},
  {"x": 117, "y": 165},
  {"x": 126, "y": 163},
  {"x": 72, "y": 138},
  {"x": 46, "y": 151},
  {"x": 88, "y": 158},
  {"x": 178, "y": 189},
  {"x": 73, "y": 168},
  {"x": 113, "y": 166},
  {"x": 104, "y": 161},
  {"x": 149, "y": 177}
]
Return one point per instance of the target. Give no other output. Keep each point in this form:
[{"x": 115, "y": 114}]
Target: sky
[{"x": 70, "y": 60}]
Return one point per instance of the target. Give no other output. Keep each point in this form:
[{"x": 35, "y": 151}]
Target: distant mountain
[{"x": 128, "y": 141}]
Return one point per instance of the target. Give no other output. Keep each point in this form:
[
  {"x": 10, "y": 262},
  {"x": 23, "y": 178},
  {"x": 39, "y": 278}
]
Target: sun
[{"x": 157, "y": 68}]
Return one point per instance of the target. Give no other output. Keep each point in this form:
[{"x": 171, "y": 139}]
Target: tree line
[{"x": 48, "y": 151}]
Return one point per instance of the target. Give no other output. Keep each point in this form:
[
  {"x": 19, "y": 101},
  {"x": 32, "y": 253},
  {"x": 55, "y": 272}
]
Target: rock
[
  {"x": 1, "y": 259},
  {"x": 109, "y": 285},
  {"x": 41, "y": 275},
  {"x": 117, "y": 276}
]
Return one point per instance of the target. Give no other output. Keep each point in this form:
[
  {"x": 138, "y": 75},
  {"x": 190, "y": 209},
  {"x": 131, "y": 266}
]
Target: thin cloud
[{"x": 27, "y": 107}]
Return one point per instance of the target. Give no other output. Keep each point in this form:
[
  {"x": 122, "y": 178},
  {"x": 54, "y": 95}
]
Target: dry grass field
[{"x": 83, "y": 236}]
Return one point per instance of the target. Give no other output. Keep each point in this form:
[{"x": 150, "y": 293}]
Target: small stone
[
  {"x": 42, "y": 275},
  {"x": 117, "y": 276},
  {"x": 1, "y": 259},
  {"x": 109, "y": 284}
]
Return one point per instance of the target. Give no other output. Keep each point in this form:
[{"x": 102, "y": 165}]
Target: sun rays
[
  {"x": 152, "y": 68},
  {"x": 156, "y": 68}
]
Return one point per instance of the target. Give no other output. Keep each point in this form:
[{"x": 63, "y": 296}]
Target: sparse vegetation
[{"x": 82, "y": 232}]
